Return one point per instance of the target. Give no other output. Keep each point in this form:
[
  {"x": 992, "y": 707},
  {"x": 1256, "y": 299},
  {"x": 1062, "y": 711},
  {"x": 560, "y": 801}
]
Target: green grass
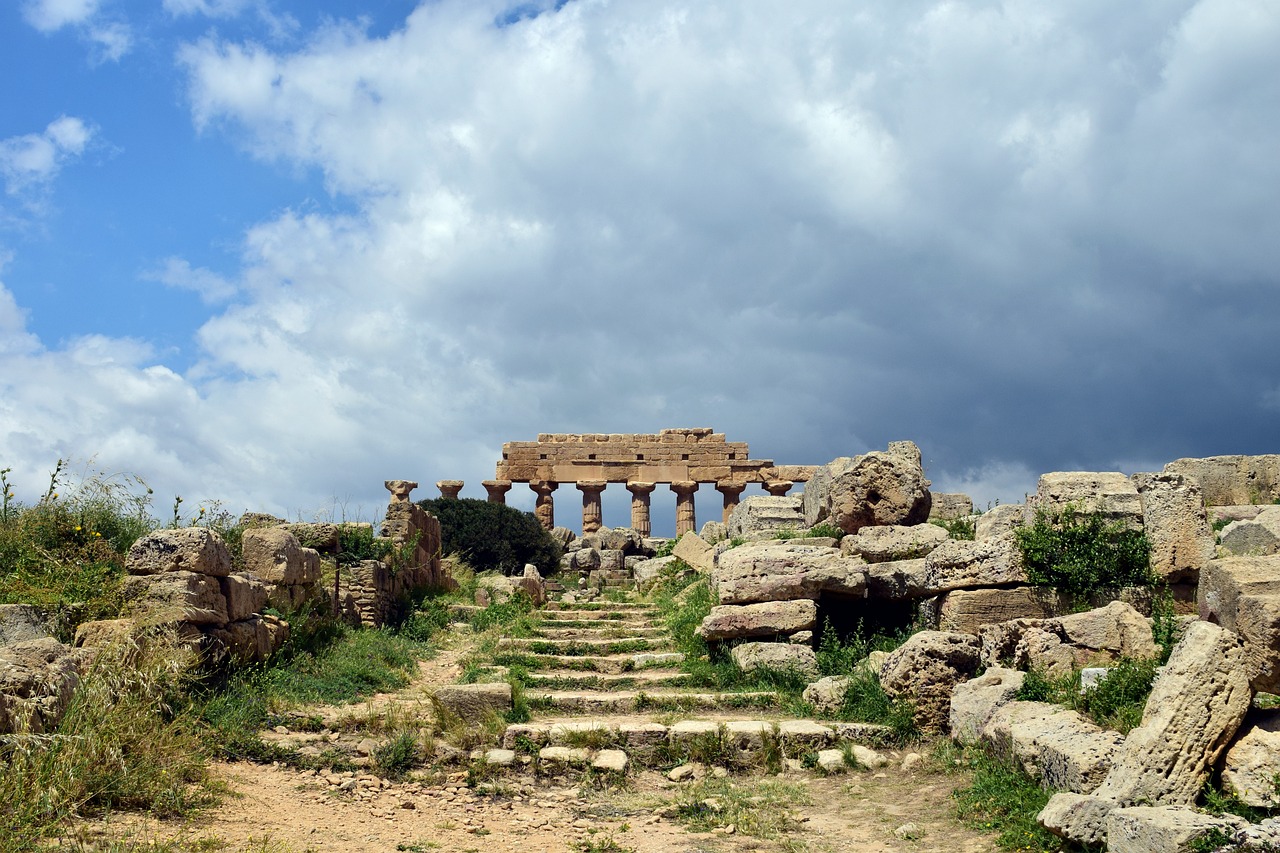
[
  {"x": 1116, "y": 702},
  {"x": 1002, "y": 799},
  {"x": 760, "y": 808}
]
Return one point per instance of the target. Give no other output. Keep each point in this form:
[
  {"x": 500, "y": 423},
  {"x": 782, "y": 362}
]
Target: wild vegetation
[{"x": 1080, "y": 553}]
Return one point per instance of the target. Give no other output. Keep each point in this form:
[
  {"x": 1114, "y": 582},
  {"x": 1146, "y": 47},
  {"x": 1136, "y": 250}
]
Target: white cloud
[
  {"x": 49, "y": 16},
  {"x": 111, "y": 39},
  {"x": 817, "y": 230},
  {"x": 30, "y": 163},
  {"x": 208, "y": 285}
]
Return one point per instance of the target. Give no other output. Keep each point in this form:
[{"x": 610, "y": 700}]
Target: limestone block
[
  {"x": 1175, "y": 523},
  {"x": 1242, "y": 594},
  {"x": 766, "y": 514},
  {"x": 826, "y": 695},
  {"x": 1197, "y": 703},
  {"x": 897, "y": 580},
  {"x": 610, "y": 761},
  {"x": 474, "y": 702},
  {"x": 1117, "y": 628},
  {"x": 1256, "y": 537},
  {"x": 1144, "y": 829},
  {"x": 727, "y": 622},
  {"x": 1065, "y": 751},
  {"x": 648, "y": 572},
  {"x": 188, "y": 549},
  {"x": 1233, "y": 480},
  {"x": 620, "y": 539},
  {"x": 37, "y": 679},
  {"x": 585, "y": 559},
  {"x": 948, "y": 507},
  {"x": 780, "y": 657},
  {"x": 974, "y": 701},
  {"x": 175, "y": 596},
  {"x": 968, "y": 610},
  {"x": 322, "y": 536},
  {"x": 958, "y": 564},
  {"x": 713, "y": 532},
  {"x": 246, "y": 594},
  {"x": 877, "y": 488},
  {"x": 256, "y": 638},
  {"x": 1000, "y": 520},
  {"x": 1079, "y": 817},
  {"x": 103, "y": 633},
  {"x": 894, "y": 542},
  {"x": 997, "y": 731},
  {"x": 778, "y": 571},
  {"x": 1252, "y": 764},
  {"x": 274, "y": 555},
  {"x": 642, "y": 740},
  {"x": 20, "y": 622},
  {"x": 926, "y": 668},
  {"x": 1108, "y": 492},
  {"x": 693, "y": 550}
]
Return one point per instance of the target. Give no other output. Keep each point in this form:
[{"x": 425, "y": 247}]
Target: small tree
[
  {"x": 493, "y": 536},
  {"x": 1080, "y": 553}
]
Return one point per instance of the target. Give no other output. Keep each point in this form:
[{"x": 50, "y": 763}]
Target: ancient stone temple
[{"x": 683, "y": 459}]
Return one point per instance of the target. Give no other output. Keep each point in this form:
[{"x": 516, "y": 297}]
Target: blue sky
[{"x": 275, "y": 252}]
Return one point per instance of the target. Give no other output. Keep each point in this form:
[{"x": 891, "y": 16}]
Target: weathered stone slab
[
  {"x": 1000, "y": 520},
  {"x": 949, "y": 506},
  {"x": 1175, "y": 523},
  {"x": 877, "y": 488},
  {"x": 974, "y": 701},
  {"x": 1065, "y": 751},
  {"x": 766, "y": 514},
  {"x": 187, "y": 549},
  {"x": 1242, "y": 594},
  {"x": 781, "y": 657},
  {"x": 1256, "y": 537},
  {"x": 1154, "y": 829},
  {"x": 1107, "y": 492},
  {"x": 273, "y": 554},
  {"x": 1079, "y": 817},
  {"x": 969, "y": 610},
  {"x": 175, "y": 596},
  {"x": 1252, "y": 764},
  {"x": 783, "y": 571},
  {"x": 997, "y": 731},
  {"x": 246, "y": 594},
  {"x": 473, "y": 702},
  {"x": 958, "y": 564},
  {"x": 693, "y": 550},
  {"x": 898, "y": 580},
  {"x": 1196, "y": 705},
  {"x": 893, "y": 542},
  {"x": 926, "y": 669},
  {"x": 769, "y": 618},
  {"x": 19, "y": 622},
  {"x": 1233, "y": 480}
]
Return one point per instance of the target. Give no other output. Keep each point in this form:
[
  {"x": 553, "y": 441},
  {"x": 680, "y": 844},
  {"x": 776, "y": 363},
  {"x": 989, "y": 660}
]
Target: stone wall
[{"x": 1233, "y": 480}]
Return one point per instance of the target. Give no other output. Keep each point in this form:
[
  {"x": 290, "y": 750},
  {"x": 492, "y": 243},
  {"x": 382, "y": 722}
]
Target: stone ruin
[
  {"x": 181, "y": 580},
  {"x": 680, "y": 458},
  {"x": 981, "y": 614}
]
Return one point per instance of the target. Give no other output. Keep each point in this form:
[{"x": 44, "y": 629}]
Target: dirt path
[{"x": 277, "y": 809}]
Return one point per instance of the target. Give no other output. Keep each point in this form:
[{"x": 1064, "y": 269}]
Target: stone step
[
  {"x": 598, "y": 610},
  {"x": 632, "y": 701},
  {"x": 602, "y": 632},
  {"x": 641, "y": 679},
  {"x": 609, "y": 663},
  {"x": 605, "y": 645},
  {"x": 600, "y": 624},
  {"x": 725, "y": 743}
]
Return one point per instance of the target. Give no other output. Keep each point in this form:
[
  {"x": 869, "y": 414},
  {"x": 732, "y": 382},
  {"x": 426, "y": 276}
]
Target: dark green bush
[
  {"x": 1080, "y": 553},
  {"x": 493, "y": 536}
]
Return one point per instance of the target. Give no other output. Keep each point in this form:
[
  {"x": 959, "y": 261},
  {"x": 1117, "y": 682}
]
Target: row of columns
[{"x": 592, "y": 514}]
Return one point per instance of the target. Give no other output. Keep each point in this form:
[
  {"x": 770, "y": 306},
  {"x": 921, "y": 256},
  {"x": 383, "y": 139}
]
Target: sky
[{"x": 274, "y": 252}]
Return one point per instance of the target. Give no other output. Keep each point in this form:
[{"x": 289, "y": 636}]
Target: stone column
[
  {"x": 591, "y": 513},
  {"x": 685, "y": 520},
  {"x": 778, "y": 488},
  {"x": 544, "y": 507},
  {"x": 449, "y": 488},
  {"x": 497, "y": 490},
  {"x": 400, "y": 489},
  {"x": 640, "y": 507},
  {"x": 731, "y": 491}
]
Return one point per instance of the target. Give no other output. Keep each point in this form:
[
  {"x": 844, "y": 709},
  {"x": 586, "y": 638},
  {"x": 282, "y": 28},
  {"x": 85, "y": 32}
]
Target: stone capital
[
  {"x": 587, "y": 486},
  {"x": 778, "y": 488},
  {"x": 497, "y": 490},
  {"x": 449, "y": 488},
  {"x": 400, "y": 489},
  {"x": 639, "y": 488},
  {"x": 544, "y": 487},
  {"x": 684, "y": 487}
]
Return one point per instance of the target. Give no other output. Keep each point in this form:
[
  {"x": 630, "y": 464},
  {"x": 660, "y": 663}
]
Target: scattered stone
[
  {"x": 500, "y": 757},
  {"x": 20, "y": 622},
  {"x": 1252, "y": 764},
  {"x": 908, "y": 832},
  {"x": 1143, "y": 829},
  {"x": 926, "y": 668},
  {"x": 695, "y": 551},
  {"x": 867, "y": 757},
  {"x": 610, "y": 760},
  {"x": 1173, "y": 517},
  {"x": 683, "y": 773},
  {"x": 973, "y": 702},
  {"x": 564, "y": 755},
  {"x": 831, "y": 761},
  {"x": 960, "y": 564}
]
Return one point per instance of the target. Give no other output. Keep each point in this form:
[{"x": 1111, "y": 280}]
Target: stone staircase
[{"x": 603, "y": 683}]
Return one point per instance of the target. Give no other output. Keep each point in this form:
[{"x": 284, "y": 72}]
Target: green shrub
[
  {"x": 1117, "y": 701},
  {"x": 958, "y": 528},
  {"x": 494, "y": 536},
  {"x": 827, "y": 529},
  {"x": 1080, "y": 553}
]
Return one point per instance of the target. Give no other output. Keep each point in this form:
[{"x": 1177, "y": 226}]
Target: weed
[
  {"x": 396, "y": 757},
  {"x": 826, "y": 530},
  {"x": 1080, "y": 553},
  {"x": 595, "y": 843},
  {"x": 1117, "y": 701},
  {"x": 763, "y": 810},
  {"x": 1001, "y": 799},
  {"x": 865, "y": 701},
  {"x": 964, "y": 528}
]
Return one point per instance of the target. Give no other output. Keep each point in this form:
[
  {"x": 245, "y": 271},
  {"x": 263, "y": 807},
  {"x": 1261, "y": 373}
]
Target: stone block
[
  {"x": 926, "y": 668},
  {"x": 1107, "y": 492},
  {"x": 246, "y": 594},
  {"x": 1252, "y": 764},
  {"x": 780, "y": 657},
  {"x": 901, "y": 579},
  {"x": 1065, "y": 751},
  {"x": 693, "y": 550},
  {"x": 1153, "y": 829},
  {"x": 274, "y": 555},
  {"x": 958, "y": 564},
  {"x": 974, "y": 701},
  {"x": 1242, "y": 594},
  {"x": 1000, "y": 520},
  {"x": 969, "y": 610},
  {"x": 1175, "y": 523},
  {"x": 765, "y": 514},
  {"x": 189, "y": 549},
  {"x": 175, "y": 596},
  {"x": 877, "y": 488},
  {"x": 894, "y": 542},
  {"x": 1255, "y": 537},
  {"x": 948, "y": 507},
  {"x": 19, "y": 622},
  {"x": 473, "y": 702},
  {"x": 770, "y": 618}
]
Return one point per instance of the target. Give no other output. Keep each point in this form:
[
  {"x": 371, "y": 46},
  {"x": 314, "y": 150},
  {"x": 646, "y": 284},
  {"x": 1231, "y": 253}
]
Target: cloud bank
[{"x": 1029, "y": 238}]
